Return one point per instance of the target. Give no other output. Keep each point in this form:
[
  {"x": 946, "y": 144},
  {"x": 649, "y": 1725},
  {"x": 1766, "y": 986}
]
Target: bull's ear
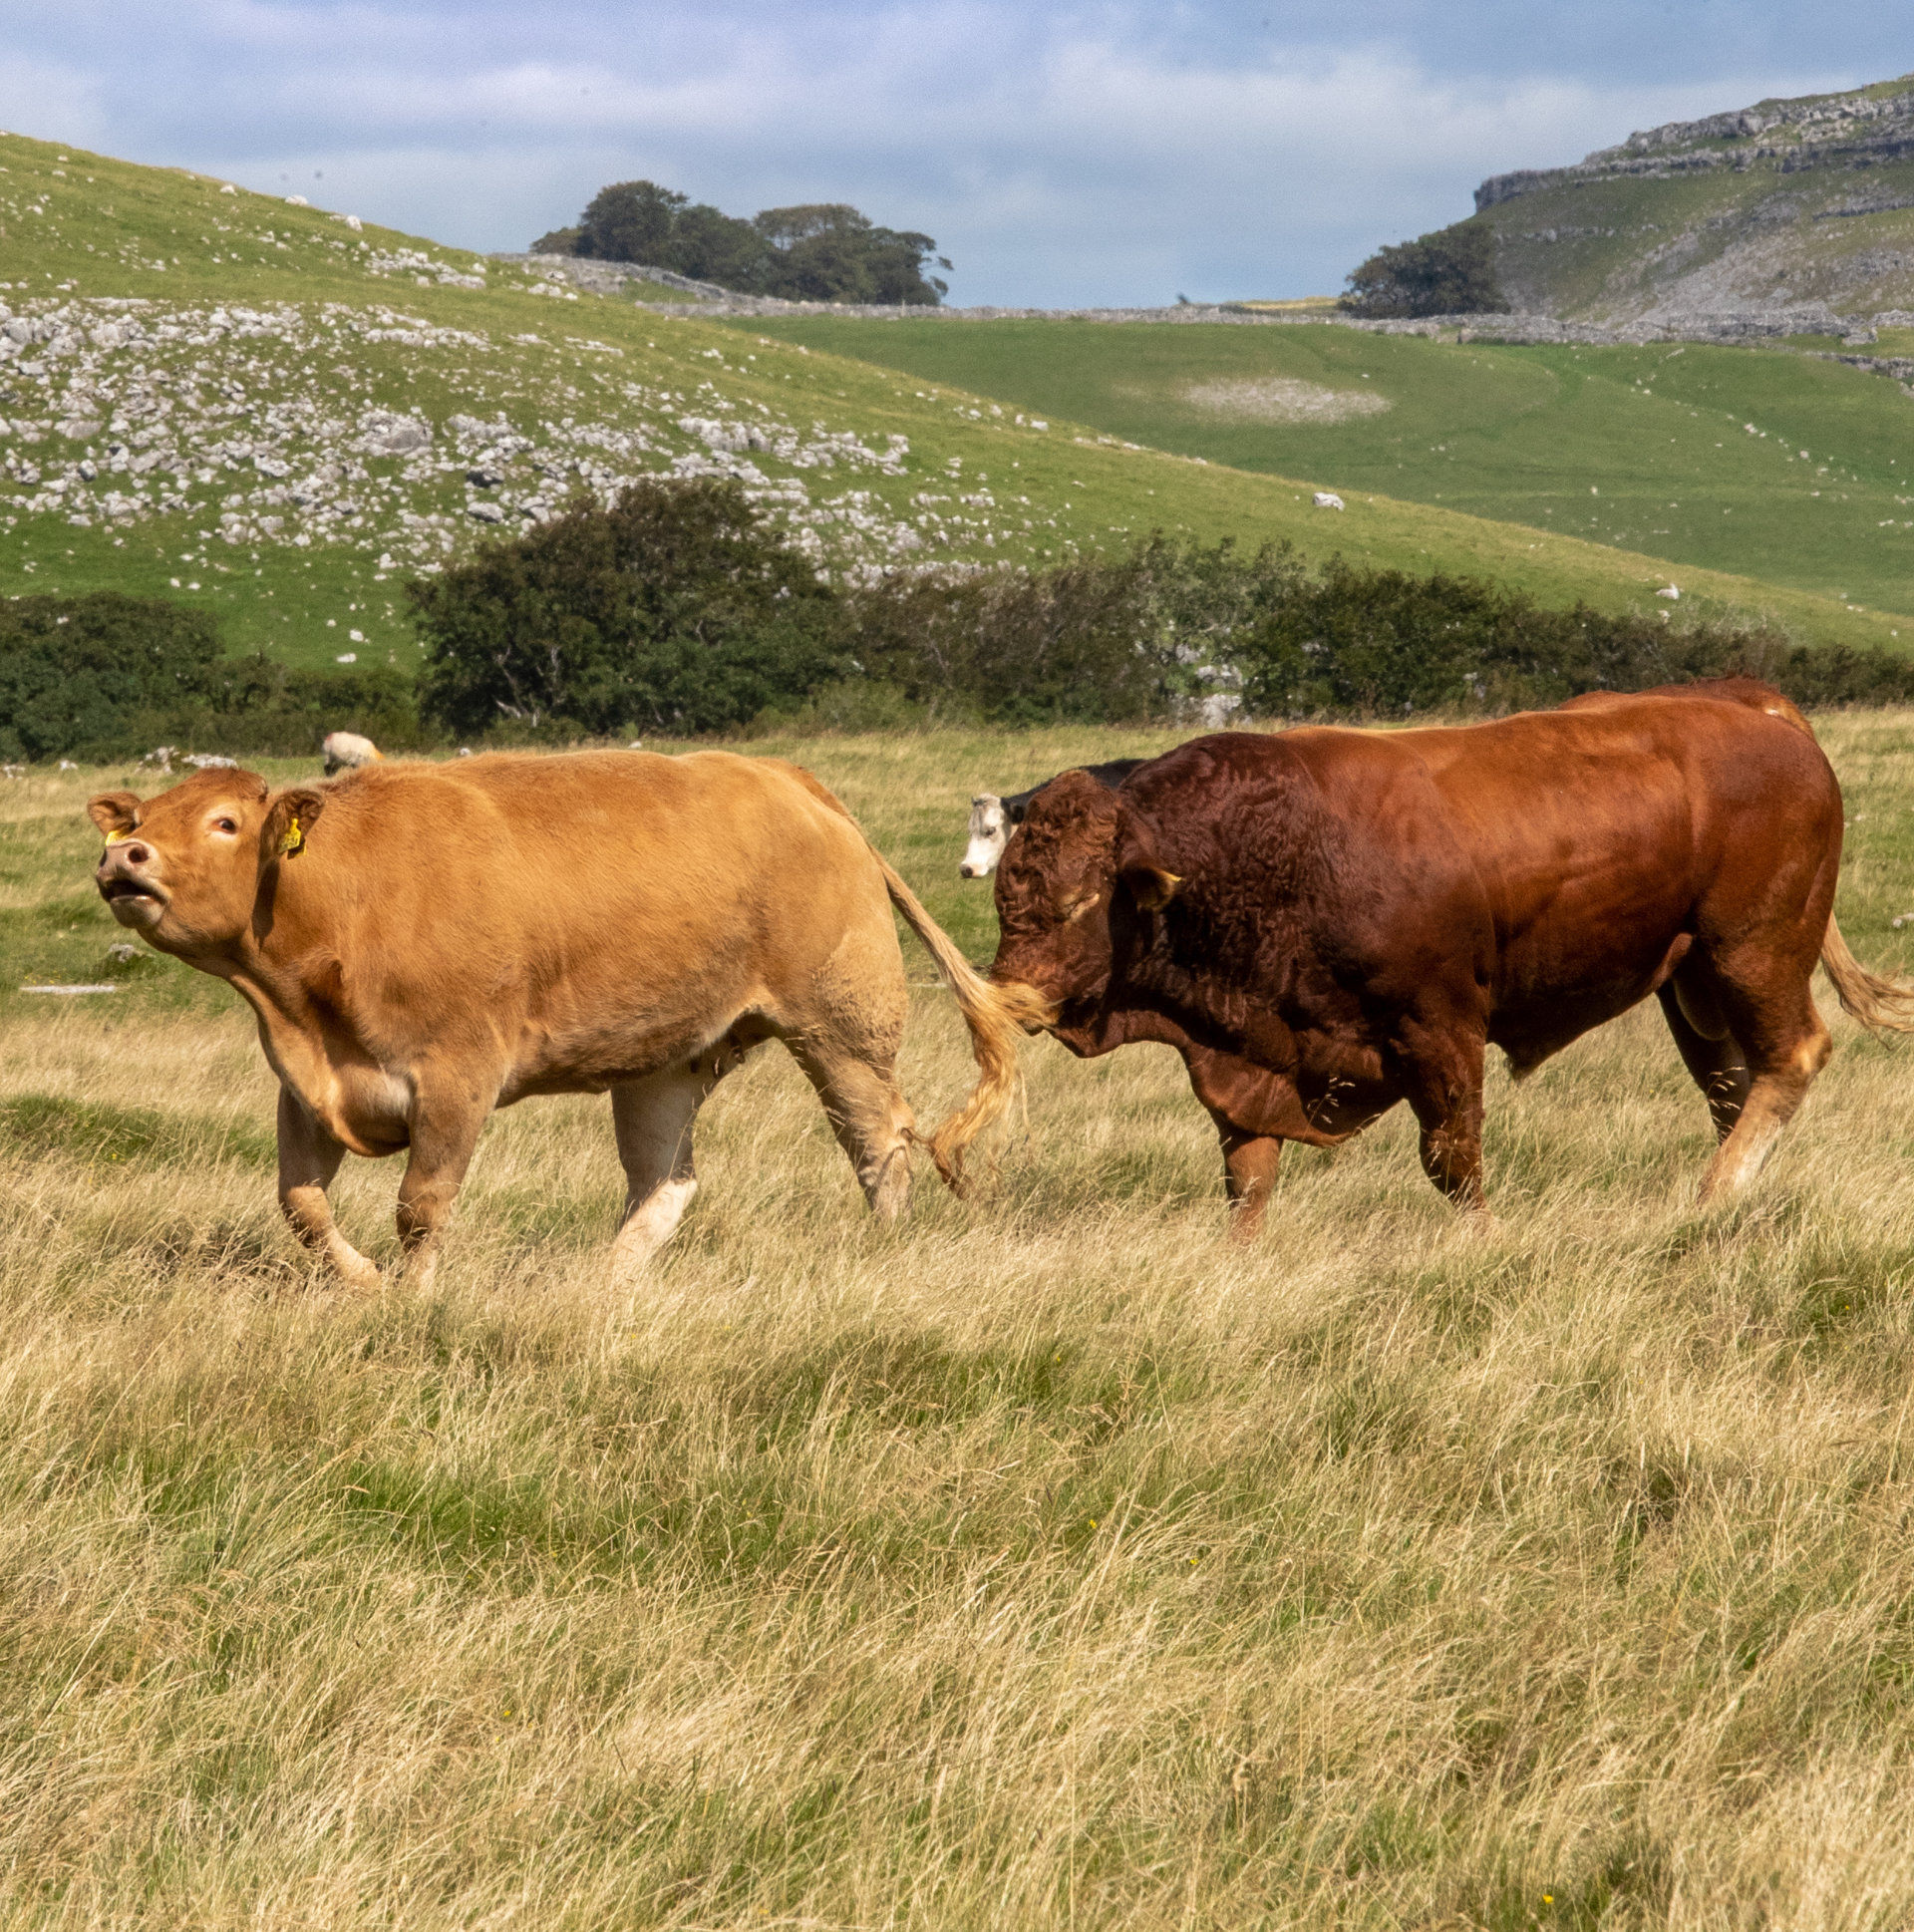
[
  {"x": 115, "y": 813},
  {"x": 1150, "y": 886},
  {"x": 290, "y": 818}
]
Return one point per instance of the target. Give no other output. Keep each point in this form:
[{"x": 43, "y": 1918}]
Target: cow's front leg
[
  {"x": 1443, "y": 1079},
  {"x": 1249, "y": 1174},
  {"x": 444, "y": 1133},
  {"x": 309, "y": 1157}
]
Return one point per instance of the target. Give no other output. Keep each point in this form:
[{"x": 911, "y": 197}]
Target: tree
[
  {"x": 711, "y": 246},
  {"x": 629, "y": 221},
  {"x": 673, "y": 609},
  {"x": 818, "y": 252},
  {"x": 827, "y": 251},
  {"x": 1449, "y": 272}
]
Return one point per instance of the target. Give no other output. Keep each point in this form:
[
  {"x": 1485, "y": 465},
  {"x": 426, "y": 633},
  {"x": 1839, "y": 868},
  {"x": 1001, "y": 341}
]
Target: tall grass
[{"x": 1045, "y": 1561}]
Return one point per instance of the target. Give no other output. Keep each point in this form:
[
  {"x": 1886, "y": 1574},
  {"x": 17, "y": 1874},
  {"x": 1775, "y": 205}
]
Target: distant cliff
[{"x": 1787, "y": 203}]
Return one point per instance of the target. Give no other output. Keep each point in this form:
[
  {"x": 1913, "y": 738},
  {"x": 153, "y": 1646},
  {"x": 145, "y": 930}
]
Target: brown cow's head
[
  {"x": 1053, "y": 886},
  {"x": 184, "y": 867}
]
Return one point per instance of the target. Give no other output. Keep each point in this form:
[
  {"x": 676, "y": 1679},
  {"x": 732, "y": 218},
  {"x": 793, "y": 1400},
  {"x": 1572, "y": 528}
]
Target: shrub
[
  {"x": 1379, "y": 643},
  {"x": 1449, "y": 272},
  {"x": 256, "y": 705},
  {"x": 74, "y": 671},
  {"x": 673, "y": 609},
  {"x": 1095, "y": 640},
  {"x": 104, "y": 677}
]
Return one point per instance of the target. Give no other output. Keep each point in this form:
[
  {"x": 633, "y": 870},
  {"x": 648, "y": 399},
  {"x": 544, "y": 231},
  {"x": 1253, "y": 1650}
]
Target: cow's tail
[
  {"x": 1881, "y": 1005},
  {"x": 995, "y": 1015}
]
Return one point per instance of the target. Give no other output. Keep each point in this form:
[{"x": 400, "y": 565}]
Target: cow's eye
[{"x": 226, "y": 825}]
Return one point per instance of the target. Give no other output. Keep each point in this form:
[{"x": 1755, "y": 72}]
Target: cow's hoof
[{"x": 357, "y": 1276}]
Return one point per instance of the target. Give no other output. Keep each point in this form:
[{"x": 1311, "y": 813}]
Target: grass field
[
  {"x": 219, "y": 360},
  {"x": 1043, "y": 1562},
  {"x": 1645, "y": 449}
]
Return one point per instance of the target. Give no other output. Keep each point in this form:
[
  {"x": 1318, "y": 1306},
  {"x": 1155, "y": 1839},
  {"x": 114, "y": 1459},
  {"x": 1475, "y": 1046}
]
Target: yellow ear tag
[
  {"x": 118, "y": 838},
  {"x": 291, "y": 838}
]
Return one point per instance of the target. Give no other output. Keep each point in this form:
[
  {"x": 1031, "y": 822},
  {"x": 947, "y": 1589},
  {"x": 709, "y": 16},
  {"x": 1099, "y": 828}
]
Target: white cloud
[
  {"x": 61, "y": 100},
  {"x": 1074, "y": 157}
]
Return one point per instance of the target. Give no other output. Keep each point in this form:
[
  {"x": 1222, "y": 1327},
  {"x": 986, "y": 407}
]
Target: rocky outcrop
[
  {"x": 1790, "y": 207},
  {"x": 1859, "y": 129}
]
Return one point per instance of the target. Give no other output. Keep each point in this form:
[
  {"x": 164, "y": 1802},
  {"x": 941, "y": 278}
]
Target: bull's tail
[
  {"x": 995, "y": 1016},
  {"x": 1881, "y": 1005}
]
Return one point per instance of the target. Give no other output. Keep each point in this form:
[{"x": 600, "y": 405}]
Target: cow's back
[{"x": 579, "y": 900}]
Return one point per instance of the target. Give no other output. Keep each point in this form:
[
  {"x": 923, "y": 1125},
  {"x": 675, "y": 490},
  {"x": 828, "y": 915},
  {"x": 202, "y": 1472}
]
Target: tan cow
[{"x": 423, "y": 943}]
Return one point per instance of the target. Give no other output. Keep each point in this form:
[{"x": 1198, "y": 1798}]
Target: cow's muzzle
[{"x": 132, "y": 895}]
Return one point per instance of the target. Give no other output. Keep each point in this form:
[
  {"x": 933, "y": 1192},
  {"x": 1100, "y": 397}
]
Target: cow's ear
[
  {"x": 115, "y": 813},
  {"x": 1150, "y": 886},
  {"x": 290, "y": 818}
]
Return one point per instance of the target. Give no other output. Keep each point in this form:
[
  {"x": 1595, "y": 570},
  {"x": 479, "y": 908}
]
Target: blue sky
[{"x": 1059, "y": 154}]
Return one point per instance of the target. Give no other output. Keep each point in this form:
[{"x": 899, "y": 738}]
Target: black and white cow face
[{"x": 990, "y": 828}]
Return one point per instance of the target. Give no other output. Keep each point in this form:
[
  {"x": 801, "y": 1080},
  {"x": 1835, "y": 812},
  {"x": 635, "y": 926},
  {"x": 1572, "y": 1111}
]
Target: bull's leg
[
  {"x": 653, "y": 1119},
  {"x": 871, "y": 1117},
  {"x": 1771, "y": 1014},
  {"x": 1708, "y": 1051},
  {"x": 444, "y": 1135},
  {"x": 1442, "y": 1083},
  {"x": 1249, "y": 1173},
  {"x": 309, "y": 1157}
]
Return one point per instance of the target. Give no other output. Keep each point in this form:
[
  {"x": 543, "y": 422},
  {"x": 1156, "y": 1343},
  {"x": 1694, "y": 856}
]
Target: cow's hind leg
[
  {"x": 309, "y": 1157},
  {"x": 1771, "y": 1012},
  {"x": 1708, "y": 1051},
  {"x": 871, "y": 1117},
  {"x": 846, "y": 1041}
]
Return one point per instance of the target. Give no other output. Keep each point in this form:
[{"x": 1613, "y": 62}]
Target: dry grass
[
  {"x": 1279, "y": 399},
  {"x": 1045, "y": 1562}
]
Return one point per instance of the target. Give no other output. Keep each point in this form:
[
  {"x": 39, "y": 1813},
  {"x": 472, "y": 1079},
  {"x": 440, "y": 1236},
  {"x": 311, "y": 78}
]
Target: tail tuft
[
  {"x": 995, "y": 1027},
  {"x": 1881, "y": 1005}
]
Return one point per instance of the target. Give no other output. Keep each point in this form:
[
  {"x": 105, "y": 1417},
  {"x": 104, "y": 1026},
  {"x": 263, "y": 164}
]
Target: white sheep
[{"x": 346, "y": 751}]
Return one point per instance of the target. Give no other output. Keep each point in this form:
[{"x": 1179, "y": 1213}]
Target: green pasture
[
  {"x": 85, "y": 226},
  {"x": 1646, "y": 450}
]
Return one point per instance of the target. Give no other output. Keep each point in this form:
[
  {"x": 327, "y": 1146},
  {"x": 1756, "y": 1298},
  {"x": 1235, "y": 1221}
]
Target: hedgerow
[{"x": 677, "y": 612}]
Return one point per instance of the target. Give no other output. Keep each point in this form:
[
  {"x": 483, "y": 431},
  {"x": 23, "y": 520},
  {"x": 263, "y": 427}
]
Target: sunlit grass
[{"x": 1046, "y": 1559}]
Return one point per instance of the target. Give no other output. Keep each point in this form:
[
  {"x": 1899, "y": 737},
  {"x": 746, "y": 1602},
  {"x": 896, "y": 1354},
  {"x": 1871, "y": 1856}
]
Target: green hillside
[
  {"x": 1647, "y": 449},
  {"x": 270, "y": 411},
  {"x": 1784, "y": 203}
]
